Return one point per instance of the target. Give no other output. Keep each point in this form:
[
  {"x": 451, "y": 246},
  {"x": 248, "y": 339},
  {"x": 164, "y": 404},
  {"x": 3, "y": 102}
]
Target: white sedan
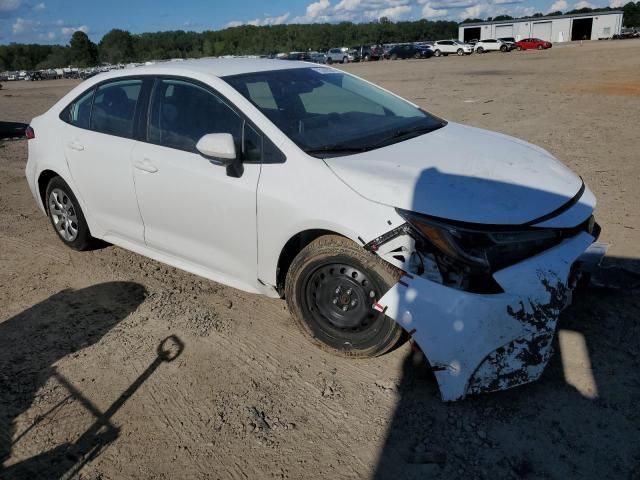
[
  {"x": 373, "y": 218},
  {"x": 491, "y": 45},
  {"x": 445, "y": 47}
]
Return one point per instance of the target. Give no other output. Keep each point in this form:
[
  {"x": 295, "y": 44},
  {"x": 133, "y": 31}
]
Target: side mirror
[{"x": 218, "y": 147}]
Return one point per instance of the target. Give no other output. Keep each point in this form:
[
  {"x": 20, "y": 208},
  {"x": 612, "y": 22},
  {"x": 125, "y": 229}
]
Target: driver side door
[{"x": 192, "y": 210}]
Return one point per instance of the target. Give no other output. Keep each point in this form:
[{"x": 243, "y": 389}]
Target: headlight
[{"x": 490, "y": 249}]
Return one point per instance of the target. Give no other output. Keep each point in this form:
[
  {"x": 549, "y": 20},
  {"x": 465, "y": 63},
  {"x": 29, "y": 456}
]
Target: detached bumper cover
[{"x": 480, "y": 343}]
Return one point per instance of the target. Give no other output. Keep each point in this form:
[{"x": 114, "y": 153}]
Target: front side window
[
  {"x": 114, "y": 107},
  {"x": 327, "y": 112},
  {"x": 182, "y": 113}
]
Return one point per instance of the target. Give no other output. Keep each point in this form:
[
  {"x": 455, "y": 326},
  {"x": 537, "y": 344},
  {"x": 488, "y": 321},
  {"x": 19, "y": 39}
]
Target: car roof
[{"x": 217, "y": 67}]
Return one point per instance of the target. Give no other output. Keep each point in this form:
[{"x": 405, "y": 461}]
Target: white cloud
[
  {"x": 9, "y": 5},
  {"x": 583, "y": 4},
  {"x": 39, "y": 7},
  {"x": 429, "y": 12},
  {"x": 561, "y": 5},
  {"x": 269, "y": 20},
  {"x": 66, "y": 31},
  {"x": 233, "y": 23},
  {"x": 24, "y": 27},
  {"x": 393, "y": 13},
  {"x": 617, "y": 3}
]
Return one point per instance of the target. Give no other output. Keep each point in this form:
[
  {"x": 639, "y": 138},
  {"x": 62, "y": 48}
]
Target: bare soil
[{"x": 84, "y": 390}]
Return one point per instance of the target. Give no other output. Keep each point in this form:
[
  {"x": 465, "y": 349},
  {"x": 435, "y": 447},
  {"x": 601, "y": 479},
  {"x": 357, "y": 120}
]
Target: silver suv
[{"x": 340, "y": 55}]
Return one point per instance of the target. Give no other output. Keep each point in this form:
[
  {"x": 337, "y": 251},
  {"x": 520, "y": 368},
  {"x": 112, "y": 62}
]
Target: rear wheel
[
  {"x": 367, "y": 58},
  {"x": 329, "y": 61},
  {"x": 539, "y": 47},
  {"x": 394, "y": 56},
  {"x": 345, "y": 59},
  {"x": 66, "y": 215},
  {"x": 519, "y": 48},
  {"x": 503, "y": 48},
  {"x": 330, "y": 289}
]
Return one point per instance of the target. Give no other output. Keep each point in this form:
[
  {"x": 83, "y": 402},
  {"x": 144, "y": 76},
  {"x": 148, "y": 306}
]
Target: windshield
[{"x": 328, "y": 113}]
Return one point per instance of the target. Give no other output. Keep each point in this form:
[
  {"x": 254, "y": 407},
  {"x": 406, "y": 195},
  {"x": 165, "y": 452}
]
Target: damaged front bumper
[{"x": 481, "y": 343}]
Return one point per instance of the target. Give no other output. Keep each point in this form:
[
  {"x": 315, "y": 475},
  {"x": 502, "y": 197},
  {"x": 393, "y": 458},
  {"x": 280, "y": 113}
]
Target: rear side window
[
  {"x": 114, "y": 107},
  {"x": 182, "y": 113},
  {"x": 80, "y": 110}
]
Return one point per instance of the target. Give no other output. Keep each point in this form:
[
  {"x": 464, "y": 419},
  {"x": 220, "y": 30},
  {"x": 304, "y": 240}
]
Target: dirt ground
[{"x": 84, "y": 391}]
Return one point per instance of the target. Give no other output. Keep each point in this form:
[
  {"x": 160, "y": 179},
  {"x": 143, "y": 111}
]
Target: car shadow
[
  {"x": 579, "y": 420},
  {"x": 32, "y": 341}
]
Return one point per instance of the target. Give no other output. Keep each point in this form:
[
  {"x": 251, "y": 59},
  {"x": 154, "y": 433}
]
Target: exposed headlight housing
[{"x": 482, "y": 249}]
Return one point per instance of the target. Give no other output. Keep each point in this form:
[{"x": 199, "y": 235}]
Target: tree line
[{"x": 120, "y": 46}]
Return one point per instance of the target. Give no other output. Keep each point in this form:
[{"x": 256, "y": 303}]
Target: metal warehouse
[{"x": 559, "y": 28}]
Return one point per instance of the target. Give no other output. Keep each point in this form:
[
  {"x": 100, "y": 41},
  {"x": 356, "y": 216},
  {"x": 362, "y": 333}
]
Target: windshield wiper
[
  {"x": 404, "y": 133},
  {"x": 336, "y": 150}
]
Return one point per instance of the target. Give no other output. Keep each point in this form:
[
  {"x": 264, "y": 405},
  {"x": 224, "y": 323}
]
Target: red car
[{"x": 528, "y": 43}]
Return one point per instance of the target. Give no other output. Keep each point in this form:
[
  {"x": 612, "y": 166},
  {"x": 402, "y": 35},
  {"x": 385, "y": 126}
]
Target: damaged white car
[{"x": 374, "y": 219}]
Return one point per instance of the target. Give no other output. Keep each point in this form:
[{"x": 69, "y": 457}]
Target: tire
[
  {"x": 66, "y": 216},
  {"x": 480, "y": 50},
  {"x": 329, "y": 61},
  {"x": 539, "y": 47},
  {"x": 503, "y": 48},
  {"x": 417, "y": 56},
  {"x": 437, "y": 53},
  {"x": 394, "y": 56},
  {"x": 460, "y": 52},
  {"x": 519, "y": 48},
  {"x": 367, "y": 58},
  {"x": 330, "y": 289},
  {"x": 345, "y": 59}
]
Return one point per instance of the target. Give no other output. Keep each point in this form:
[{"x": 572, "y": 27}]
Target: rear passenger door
[
  {"x": 192, "y": 210},
  {"x": 98, "y": 144}
]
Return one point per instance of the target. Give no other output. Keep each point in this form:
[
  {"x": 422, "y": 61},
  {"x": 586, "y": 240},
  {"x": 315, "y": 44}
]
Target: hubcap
[
  {"x": 63, "y": 214},
  {"x": 341, "y": 296}
]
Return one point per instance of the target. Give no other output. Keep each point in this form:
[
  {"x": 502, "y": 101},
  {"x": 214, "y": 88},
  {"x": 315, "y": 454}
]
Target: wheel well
[
  {"x": 291, "y": 250},
  {"x": 43, "y": 180}
]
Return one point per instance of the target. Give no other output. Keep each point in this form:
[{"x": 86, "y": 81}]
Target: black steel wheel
[{"x": 331, "y": 287}]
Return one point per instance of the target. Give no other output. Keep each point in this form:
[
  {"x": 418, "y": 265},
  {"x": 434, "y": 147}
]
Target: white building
[{"x": 560, "y": 28}]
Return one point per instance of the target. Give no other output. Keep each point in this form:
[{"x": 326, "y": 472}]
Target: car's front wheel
[
  {"x": 437, "y": 53},
  {"x": 480, "y": 50},
  {"x": 66, "y": 216},
  {"x": 331, "y": 287},
  {"x": 460, "y": 52}
]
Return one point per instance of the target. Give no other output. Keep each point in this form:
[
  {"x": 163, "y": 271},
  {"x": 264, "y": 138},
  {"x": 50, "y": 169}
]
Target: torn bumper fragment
[{"x": 480, "y": 343}]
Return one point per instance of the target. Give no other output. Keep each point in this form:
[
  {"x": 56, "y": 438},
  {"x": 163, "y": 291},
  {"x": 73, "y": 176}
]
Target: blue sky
[{"x": 54, "y": 21}]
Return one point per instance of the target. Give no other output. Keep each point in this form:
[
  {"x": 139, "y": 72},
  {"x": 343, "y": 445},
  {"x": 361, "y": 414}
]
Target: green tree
[
  {"x": 83, "y": 52},
  {"x": 116, "y": 47}
]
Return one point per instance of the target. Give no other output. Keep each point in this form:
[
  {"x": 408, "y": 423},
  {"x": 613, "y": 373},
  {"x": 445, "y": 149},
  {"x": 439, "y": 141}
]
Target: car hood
[{"x": 462, "y": 173}]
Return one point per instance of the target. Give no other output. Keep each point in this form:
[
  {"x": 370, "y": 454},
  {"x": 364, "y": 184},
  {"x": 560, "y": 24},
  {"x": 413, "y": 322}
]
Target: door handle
[
  {"x": 75, "y": 146},
  {"x": 145, "y": 166}
]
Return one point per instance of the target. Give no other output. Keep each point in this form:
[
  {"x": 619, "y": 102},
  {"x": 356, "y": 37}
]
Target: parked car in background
[
  {"x": 531, "y": 43},
  {"x": 409, "y": 51},
  {"x": 491, "y": 45},
  {"x": 509, "y": 42},
  {"x": 445, "y": 47},
  {"x": 318, "y": 57},
  {"x": 367, "y": 53},
  {"x": 374, "y": 219},
  {"x": 301, "y": 56},
  {"x": 340, "y": 55}
]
